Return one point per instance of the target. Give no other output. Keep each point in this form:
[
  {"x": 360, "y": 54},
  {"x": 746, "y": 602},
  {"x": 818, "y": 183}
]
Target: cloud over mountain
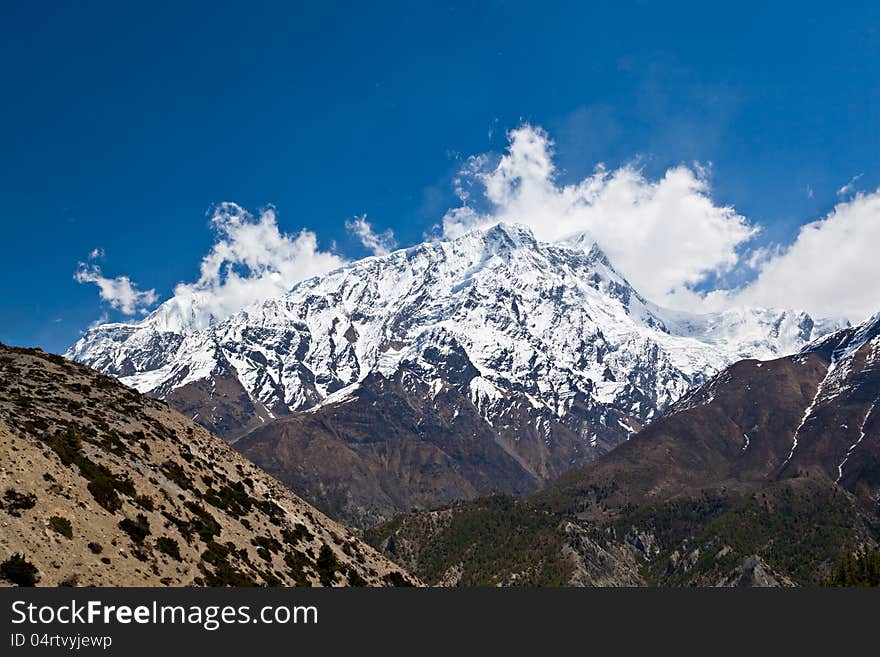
[
  {"x": 251, "y": 260},
  {"x": 119, "y": 292},
  {"x": 377, "y": 243},
  {"x": 671, "y": 239},
  {"x": 668, "y": 236},
  {"x": 831, "y": 268}
]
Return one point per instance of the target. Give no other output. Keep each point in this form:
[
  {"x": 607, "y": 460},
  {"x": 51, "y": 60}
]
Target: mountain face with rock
[
  {"x": 766, "y": 474},
  {"x": 491, "y": 362},
  {"x": 102, "y": 486}
]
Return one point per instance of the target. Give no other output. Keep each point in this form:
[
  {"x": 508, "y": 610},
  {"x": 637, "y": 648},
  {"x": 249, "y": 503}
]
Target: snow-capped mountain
[
  {"x": 765, "y": 475},
  {"x": 547, "y": 334}
]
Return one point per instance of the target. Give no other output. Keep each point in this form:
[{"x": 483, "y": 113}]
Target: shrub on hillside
[
  {"x": 20, "y": 571},
  {"x": 61, "y": 526}
]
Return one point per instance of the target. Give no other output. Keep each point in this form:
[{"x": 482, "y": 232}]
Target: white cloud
[
  {"x": 119, "y": 292},
  {"x": 377, "y": 243},
  {"x": 251, "y": 261},
  {"x": 669, "y": 237},
  {"x": 849, "y": 187},
  {"x": 96, "y": 254},
  {"x": 831, "y": 269},
  {"x": 666, "y": 235},
  {"x": 101, "y": 320}
]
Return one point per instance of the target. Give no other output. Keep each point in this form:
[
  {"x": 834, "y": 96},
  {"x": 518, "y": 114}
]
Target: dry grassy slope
[{"x": 138, "y": 482}]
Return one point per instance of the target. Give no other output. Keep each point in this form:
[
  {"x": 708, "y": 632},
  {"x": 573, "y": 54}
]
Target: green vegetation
[
  {"x": 327, "y": 565},
  {"x": 488, "y": 538},
  {"x": 297, "y": 563},
  {"x": 266, "y": 547},
  {"x": 169, "y": 546},
  {"x": 672, "y": 521},
  {"x": 137, "y": 529},
  {"x": 182, "y": 526},
  {"x": 267, "y": 542},
  {"x": 224, "y": 573},
  {"x": 354, "y": 577},
  {"x": 14, "y": 502},
  {"x": 176, "y": 473},
  {"x": 67, "y": 445},
  {"x": 20, "y": 571},
  {"x": 270, "y": 579},
  {"x": 857, "y": 569},
  {"x": 396, "y": 578},
  {"x": 203, "y": 523},
  {"x": 215, "y": 553},
  {"x": 61, "y": 526},
  {"x": 145, "y": 502},
  {"x": 299, "y": 533},
  {"x": 799, "y": 528},
  {"x": 227, "y": 575},
  {"x": 103, "y": 484},
  {"x": 275, "y": 512},
  {"x": 232, "y": 498},
  {"x": 104, "y": 492},
  {"x": 111, "y": 442}
]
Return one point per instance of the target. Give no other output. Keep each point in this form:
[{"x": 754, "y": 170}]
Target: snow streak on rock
[{"x": 855, "y": 444}]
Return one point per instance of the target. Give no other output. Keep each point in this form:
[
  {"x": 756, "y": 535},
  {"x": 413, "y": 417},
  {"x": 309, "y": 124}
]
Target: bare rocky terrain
[
  {"x": 102, "y": 486},
  {"x": 768, "y": 474}
]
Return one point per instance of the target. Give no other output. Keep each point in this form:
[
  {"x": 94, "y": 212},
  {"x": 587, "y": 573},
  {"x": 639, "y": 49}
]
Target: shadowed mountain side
[
  {"x": 388, "y": 447},
  {"x": 766, "y": 474}
]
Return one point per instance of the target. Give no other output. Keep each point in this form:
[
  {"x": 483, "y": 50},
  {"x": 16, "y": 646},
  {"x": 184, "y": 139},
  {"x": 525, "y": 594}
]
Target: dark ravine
[
  {"x": 767, "y": 474},
  {"x": 219, "y": 404},
  {"x": 102, "y": 486}
]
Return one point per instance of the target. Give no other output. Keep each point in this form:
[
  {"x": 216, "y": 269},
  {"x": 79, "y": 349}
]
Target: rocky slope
[
  {"x": 766, "y": 474},
  {"x": 101, "y": 486},
  {"x": 527, "y": 358}
]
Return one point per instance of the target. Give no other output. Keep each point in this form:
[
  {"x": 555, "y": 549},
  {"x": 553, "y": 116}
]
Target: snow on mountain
[{"x": 512, "y": 322}]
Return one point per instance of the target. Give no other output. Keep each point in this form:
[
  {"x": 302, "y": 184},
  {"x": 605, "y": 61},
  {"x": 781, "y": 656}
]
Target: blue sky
[{"x": 124, "y": 126}]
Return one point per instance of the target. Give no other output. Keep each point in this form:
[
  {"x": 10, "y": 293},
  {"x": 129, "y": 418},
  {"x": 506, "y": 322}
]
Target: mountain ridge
[
  {"x": 769, "y": 472},
  {"x": 140, "y": 353},
  {"x": 548, "y": 348}
]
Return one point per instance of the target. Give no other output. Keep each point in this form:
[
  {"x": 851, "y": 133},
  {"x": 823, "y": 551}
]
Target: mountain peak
[
  {"x": 498, "y": 239},
  {"x": 515, "y": 232},
  {"x": 868, "y": 330},
  {"x": 551, "y": 328},
  {"x": 846, "y": 341}
]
